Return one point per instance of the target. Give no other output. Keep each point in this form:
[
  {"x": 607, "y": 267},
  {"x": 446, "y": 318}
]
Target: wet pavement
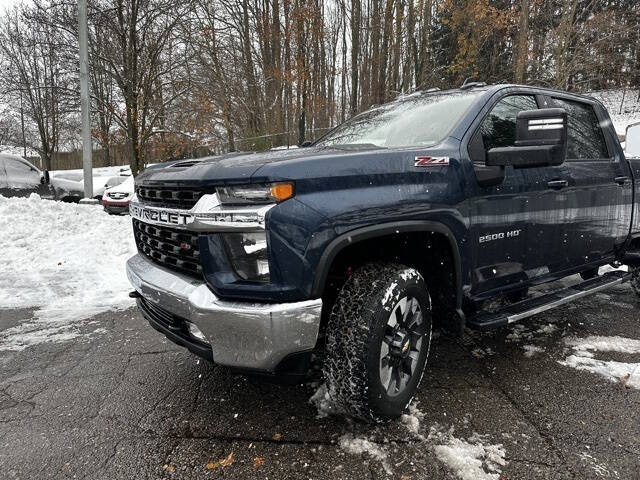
[{"x": 120, "y": 401}]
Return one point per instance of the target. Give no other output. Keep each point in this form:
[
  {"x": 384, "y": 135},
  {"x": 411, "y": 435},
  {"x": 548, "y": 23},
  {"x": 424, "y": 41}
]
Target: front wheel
[{"x": 378, "y": 340}]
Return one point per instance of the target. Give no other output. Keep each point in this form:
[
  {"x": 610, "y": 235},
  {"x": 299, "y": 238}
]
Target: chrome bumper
[{"x": 247, "y": 335}]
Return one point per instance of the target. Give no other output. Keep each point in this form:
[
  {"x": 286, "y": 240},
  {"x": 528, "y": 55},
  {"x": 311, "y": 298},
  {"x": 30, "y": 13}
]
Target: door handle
[
  {"x": 557, "y": 184},
  {"x": 621, "y": 180}
]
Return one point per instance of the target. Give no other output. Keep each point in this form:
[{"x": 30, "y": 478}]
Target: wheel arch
[{"x": 353, "y": 237}]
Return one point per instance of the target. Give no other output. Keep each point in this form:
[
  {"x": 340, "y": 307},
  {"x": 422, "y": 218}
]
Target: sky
[{"x": 4, "y": 4}]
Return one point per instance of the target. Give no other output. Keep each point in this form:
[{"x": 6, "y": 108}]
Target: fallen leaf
[
  {"x": 227, "y": 462},
  {"x": 258, "y": 462},
  {"x": 277, "y": 436},
  {"x": 222, "y": 463},
  {"x": 405, "y": 477},
  {"x": 169, "y": 468}
]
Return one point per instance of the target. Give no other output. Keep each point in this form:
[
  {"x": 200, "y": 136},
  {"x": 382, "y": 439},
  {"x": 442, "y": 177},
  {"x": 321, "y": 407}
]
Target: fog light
[{"x": 195, "y": 332}]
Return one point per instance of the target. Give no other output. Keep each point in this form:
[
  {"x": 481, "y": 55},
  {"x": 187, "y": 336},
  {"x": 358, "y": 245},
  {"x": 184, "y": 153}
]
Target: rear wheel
[{"x": 378, "y": 340}]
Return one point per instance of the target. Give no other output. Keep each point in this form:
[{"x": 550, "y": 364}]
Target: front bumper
[
  {"x": 116, "y": 208},
  {"x": 252, "y": 336}
]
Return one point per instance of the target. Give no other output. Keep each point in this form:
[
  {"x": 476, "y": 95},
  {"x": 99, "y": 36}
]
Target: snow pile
[
  {"x": 65, "y": 260},
  {"x": 413, "y": 419},
  {"x": 583, "y": 355},
  {"x": 472, "y": 460}
]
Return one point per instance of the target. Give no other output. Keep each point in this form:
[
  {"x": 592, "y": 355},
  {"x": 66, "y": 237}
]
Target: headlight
[
  {"x": 248, "y": 255},
  {"x": 255, "y": 194}
]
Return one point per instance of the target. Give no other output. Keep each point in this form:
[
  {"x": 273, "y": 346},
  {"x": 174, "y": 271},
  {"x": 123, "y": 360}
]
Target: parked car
[
  {"x": 69, "y": 185},
  {"x": 115, "y": 200},
  {"x": 20, "y": 178},
  {"x": 414, "y": 212}
]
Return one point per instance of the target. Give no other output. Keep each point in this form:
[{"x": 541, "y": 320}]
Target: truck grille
[
  {"x": 174, "y": 249},
  {"x": 170, "y": 197}
]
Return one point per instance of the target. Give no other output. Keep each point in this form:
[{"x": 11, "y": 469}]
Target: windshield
[{"x": 413, "y": 121}]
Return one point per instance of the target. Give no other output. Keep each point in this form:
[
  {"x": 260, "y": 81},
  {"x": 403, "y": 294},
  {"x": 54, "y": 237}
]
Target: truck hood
[
  {"x": 231, "y": 168},
  {"x": 293, "y": 164},
  {"x": 239, "y": 168}
]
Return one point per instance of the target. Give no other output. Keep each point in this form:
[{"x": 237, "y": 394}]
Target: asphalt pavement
[{"x": 121, "y": 402}]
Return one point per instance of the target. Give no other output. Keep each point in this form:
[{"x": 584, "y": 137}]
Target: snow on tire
[{"x": 378, "y": 340}]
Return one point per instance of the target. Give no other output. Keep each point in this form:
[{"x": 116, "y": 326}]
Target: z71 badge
[{"x": 431, "y": 161}]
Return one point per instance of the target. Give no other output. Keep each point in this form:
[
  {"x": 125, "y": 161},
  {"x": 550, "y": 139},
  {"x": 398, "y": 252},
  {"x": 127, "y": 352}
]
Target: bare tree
[
  {"x": 35, "y": 71},
  {"x": 138, "y": 34}
]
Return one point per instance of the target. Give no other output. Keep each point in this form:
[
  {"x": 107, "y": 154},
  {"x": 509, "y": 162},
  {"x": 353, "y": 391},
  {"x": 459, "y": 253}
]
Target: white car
[
  {"x": 69, "y": 184},
  {"x": 115, "y": 200},
  {"x": 20, "y": 178}
]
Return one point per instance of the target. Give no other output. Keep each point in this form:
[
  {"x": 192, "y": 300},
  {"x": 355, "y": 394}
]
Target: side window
[
  {"x": 499, "y": 128},
  {"x": 20, "y": 174},
  {"x": 584, "y": 135}
]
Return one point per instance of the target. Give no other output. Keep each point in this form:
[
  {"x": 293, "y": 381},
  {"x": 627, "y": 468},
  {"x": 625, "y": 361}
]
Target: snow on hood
[
  {"x": 71, "y": 182},
  {"x": 125, "y": 187}
]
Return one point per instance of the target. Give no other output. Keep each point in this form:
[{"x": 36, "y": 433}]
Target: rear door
[{"x": 599, "y": 187}]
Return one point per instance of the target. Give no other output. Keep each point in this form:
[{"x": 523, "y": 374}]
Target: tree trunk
[
  {"x": 523, "y": 43},
  {"x": 355, "y": 52}
]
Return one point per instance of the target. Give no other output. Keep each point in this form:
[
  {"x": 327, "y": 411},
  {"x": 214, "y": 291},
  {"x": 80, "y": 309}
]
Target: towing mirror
[
  {"x": 541, "y": 140},
  {"x": 632, "y": 141}
]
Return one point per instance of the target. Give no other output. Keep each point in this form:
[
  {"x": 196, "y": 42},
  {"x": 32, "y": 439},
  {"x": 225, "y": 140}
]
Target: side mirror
[
  {"x": 45, "y": 177},
  {"x": 306, "y": 143},
  {"x": 632, "y": 141},
  {"x": 541, "y": 140}
]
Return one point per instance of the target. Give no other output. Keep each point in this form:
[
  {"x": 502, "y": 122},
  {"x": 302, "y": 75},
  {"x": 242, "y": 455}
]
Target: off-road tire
[
  {"x": 355, "y": 333},
  {"x": 635, "y": 279}
]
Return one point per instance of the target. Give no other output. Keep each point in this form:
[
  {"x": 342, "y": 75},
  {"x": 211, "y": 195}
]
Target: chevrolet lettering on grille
[{"x": 158, "y": 216}]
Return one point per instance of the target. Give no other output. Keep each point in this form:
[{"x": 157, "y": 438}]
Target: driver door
[{"x": 517, "y": 228}]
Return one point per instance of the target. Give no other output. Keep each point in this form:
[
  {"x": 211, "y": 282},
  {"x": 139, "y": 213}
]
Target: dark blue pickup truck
[{"x": 409, "y": 214}]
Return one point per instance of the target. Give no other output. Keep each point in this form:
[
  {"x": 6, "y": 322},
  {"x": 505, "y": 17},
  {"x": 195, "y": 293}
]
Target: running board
[{"x": 532, "y": 306}]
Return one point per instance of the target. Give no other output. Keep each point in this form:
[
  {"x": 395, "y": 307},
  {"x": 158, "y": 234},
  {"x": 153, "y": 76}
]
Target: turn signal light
[{"x": 282, "y": 191}]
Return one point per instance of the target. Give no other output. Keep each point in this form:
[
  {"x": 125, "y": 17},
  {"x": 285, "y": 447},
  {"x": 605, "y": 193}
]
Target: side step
[{"x": 532, "y": 306}]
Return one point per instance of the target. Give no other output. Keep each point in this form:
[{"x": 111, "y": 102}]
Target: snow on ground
[
  {"x": 358, "y": 446},
  {"x": 65, "y": 260},
  {"x": 322, "y": 401},
  {"x": 531, "y": 350},
  {"x": 583, "y": 358},
  {"x": 599, "y": 469},
  {"x": 623, "y": 107},
  {"x": 472, "y": 459}
]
